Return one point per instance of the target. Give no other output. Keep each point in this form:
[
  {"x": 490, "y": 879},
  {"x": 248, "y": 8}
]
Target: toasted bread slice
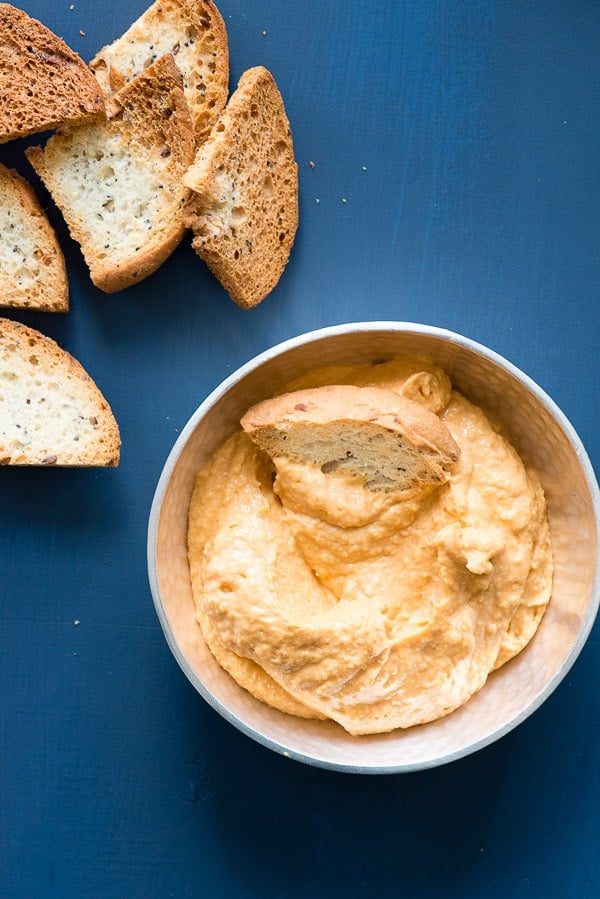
[
  {"x": 244, "y": 214},
  {"x": 118, "y": 182},
  {"x": 43, "y": 83},
  {"x": 367, "y": 433},
  {"x": 32, "y": 266},
  {"x": 194, "y": 32},
  {"x": 51, "y": 411}
]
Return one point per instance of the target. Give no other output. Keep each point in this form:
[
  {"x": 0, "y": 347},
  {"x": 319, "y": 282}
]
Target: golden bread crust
[
  {"x": 244, "y": 212},
  {"x": 43, "y": 83}
]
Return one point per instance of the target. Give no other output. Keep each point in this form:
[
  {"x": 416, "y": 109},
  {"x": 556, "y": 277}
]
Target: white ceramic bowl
[{"x": 540, "y": 432}]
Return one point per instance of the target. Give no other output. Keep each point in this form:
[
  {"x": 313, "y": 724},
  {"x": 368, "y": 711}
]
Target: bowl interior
[{"x": 545, "y": 440}]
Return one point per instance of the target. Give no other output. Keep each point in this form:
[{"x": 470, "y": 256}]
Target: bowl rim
[{"x": 238, "y": 375}]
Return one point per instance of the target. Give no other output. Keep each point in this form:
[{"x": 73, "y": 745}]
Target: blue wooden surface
[{"x": 455, "y": 182}]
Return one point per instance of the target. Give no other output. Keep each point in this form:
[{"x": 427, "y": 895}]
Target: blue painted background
[{"x": 455, "y": 182}]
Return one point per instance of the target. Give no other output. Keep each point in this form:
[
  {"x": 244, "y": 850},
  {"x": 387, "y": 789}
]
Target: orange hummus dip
[{"x": 377, "y": 610}]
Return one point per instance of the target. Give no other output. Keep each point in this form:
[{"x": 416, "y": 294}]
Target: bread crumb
[
  {"x": 311, "y": 164},
  {"x": 77, "y": 622},
  {"x": 344, "y": 200},
  {"x": 264, "y": 33},
  {"x": 82, "y": 33},
  {"x": 364, "y": 168},
  {"x": 317, "y": 200}
]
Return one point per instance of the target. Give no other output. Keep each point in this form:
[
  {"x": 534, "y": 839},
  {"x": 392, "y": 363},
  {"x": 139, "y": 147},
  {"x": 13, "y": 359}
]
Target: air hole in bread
[{"x": 281, "y": 148}]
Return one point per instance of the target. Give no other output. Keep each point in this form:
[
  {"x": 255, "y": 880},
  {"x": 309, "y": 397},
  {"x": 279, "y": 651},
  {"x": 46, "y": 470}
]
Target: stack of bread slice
[
  {"x": 243, "y": 206},
  {"x": 119, "y": 182},
  {"x": 146, "y": 146}
]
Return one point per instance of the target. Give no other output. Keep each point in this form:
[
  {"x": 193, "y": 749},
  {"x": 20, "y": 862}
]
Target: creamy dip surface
[{"x": 377, "y": 610}]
